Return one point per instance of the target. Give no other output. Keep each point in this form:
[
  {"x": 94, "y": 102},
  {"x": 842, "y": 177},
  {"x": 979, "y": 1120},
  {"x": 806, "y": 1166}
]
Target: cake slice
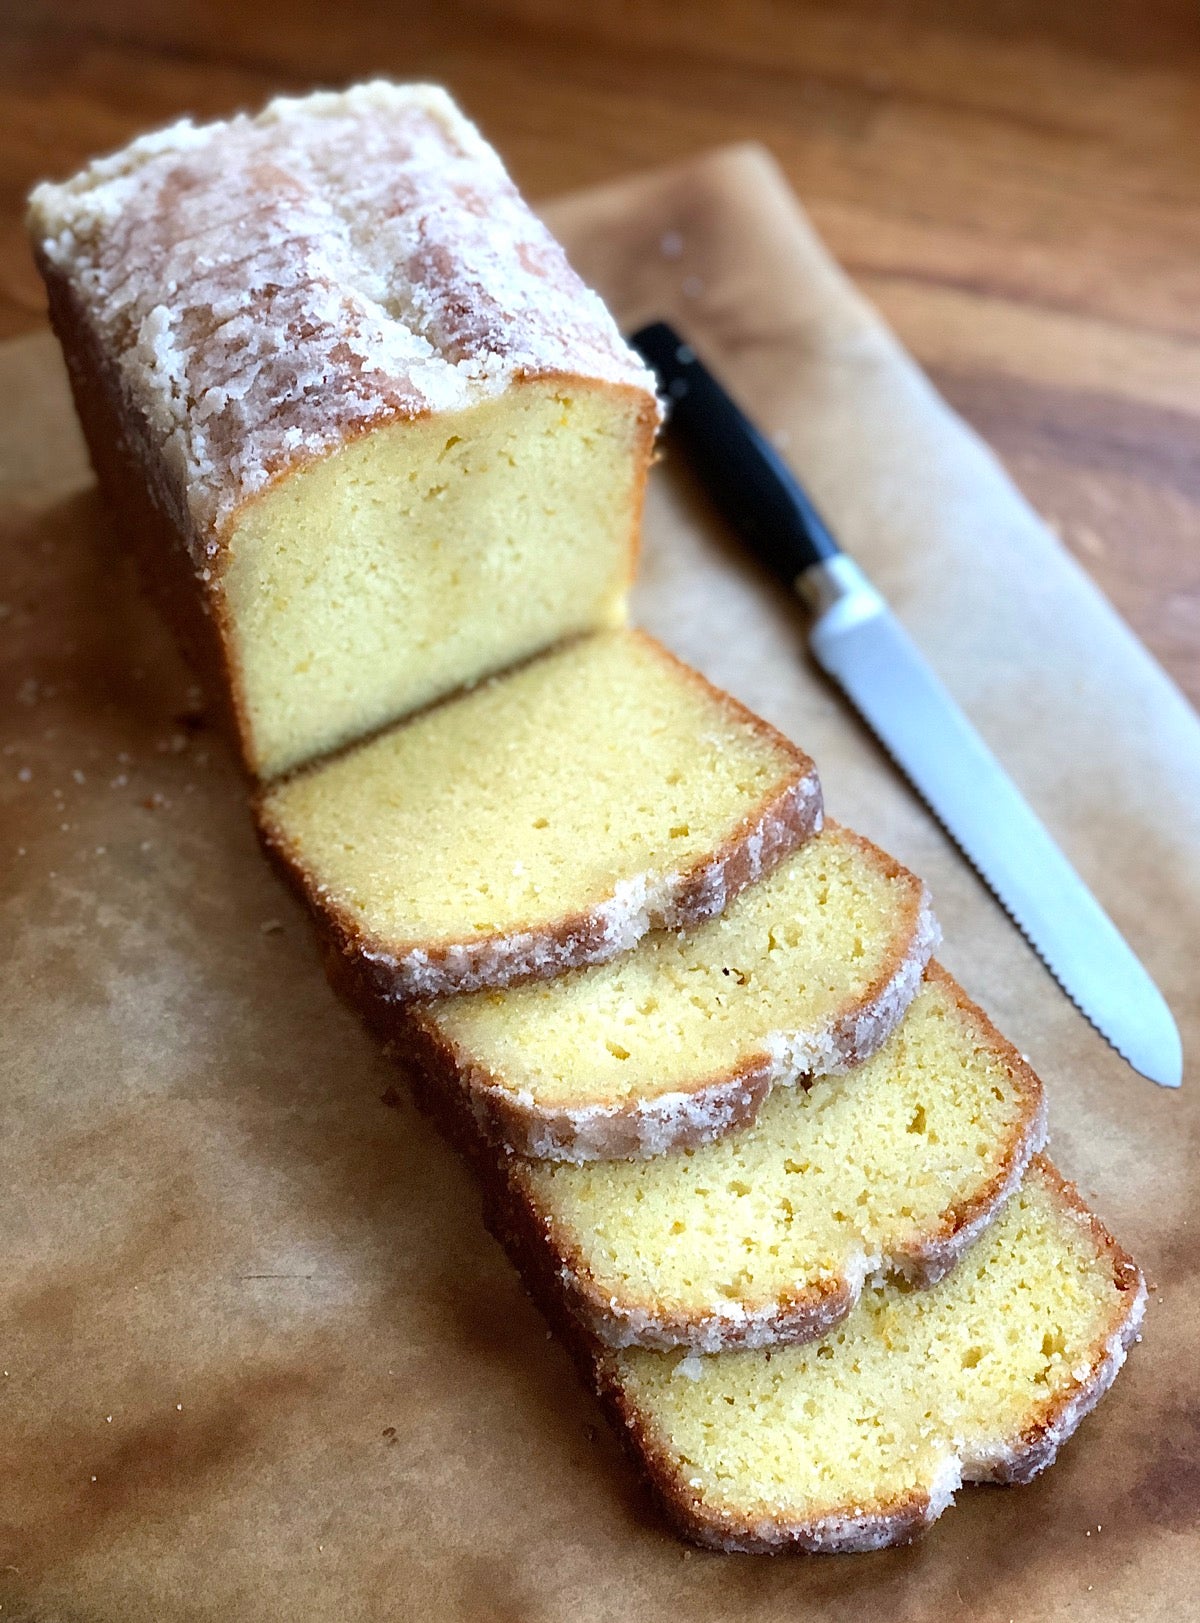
[
  {"x": 769, "y": 1234},
  {"x": 546, "y": 819},
  {"x": 370, "y": 435},
  {"x": 860, "y": 1440},
  {"x": 680, "y": 1040}
]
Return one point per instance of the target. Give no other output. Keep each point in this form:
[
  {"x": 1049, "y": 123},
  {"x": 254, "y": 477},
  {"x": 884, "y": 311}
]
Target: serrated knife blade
[{"x": 859, "y": 643}]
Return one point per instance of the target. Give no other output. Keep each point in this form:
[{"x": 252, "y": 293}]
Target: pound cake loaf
[
  {"x": 369, "y": 433},
  {"x": 770, "y": 1234},
  {"x": 860, "y": 1440},
  {"x": 680, "y": 1040},
  {"x": 546, "y": 819}
]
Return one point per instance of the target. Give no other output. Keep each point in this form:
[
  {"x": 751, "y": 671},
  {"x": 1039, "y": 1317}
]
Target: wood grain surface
[{"x": 1016, "y": 185}]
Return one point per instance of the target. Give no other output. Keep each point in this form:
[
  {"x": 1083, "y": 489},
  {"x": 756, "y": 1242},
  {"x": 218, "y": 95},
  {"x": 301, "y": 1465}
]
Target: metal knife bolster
[{"x": 836, "y": 591}]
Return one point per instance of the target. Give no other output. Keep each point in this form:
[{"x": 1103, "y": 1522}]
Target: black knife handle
[{"x": 748, "y": 481}]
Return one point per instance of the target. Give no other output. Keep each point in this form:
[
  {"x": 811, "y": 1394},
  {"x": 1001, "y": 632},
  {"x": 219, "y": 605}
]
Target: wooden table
[{"x": 1016, "y": 185}]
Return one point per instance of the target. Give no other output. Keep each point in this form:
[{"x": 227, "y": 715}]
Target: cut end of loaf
[{"x": 424, "y": 555}]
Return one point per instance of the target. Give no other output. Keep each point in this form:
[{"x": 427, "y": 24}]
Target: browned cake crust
[
  {"x": 147, "y": 520},
  {"x": 530, "y": 1234},
  {"x": 704, "y": 1111},
  {"x": 862, "y": 1527},
  {"x": 381, "y": 977}
]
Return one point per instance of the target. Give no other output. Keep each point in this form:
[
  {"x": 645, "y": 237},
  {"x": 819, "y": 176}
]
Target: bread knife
[{"x": 858, "y": 642}]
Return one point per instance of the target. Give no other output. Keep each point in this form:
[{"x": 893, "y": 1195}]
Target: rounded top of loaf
[{"x": 268, "y": 286}]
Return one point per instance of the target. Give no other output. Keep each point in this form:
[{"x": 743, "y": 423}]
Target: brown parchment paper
[{"x": 259, "y": 1359}]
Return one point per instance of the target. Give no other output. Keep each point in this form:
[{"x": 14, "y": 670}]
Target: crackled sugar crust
[
  {"x": 269, "y": 287},
  {"x": 863, "y": 1527}
]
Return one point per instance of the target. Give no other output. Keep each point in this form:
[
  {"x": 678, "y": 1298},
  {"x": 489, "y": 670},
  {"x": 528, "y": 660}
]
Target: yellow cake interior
[
  {"x": 830, "y": 1182},
  {"x": 881, "y": 1407},
  {"x": 789, "y": 955},
  {"x": 425, "y": 554},
  {"x": 590, "y": 774}
]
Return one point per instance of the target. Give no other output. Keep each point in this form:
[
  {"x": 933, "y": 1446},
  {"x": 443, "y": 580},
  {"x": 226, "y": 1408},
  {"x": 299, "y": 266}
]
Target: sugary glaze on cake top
[{"x": 275, "y": 284}]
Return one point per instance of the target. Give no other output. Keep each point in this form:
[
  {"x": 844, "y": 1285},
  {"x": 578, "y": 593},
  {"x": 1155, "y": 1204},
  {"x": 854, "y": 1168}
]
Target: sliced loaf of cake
[
  {"x": 370, "y": 435},
  {"x": 860, "y": 1440},
  {"x": 680, "y": 1040},
  {"x": 769, "y": 1234},
  {"x": 546, "y": 819}
]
